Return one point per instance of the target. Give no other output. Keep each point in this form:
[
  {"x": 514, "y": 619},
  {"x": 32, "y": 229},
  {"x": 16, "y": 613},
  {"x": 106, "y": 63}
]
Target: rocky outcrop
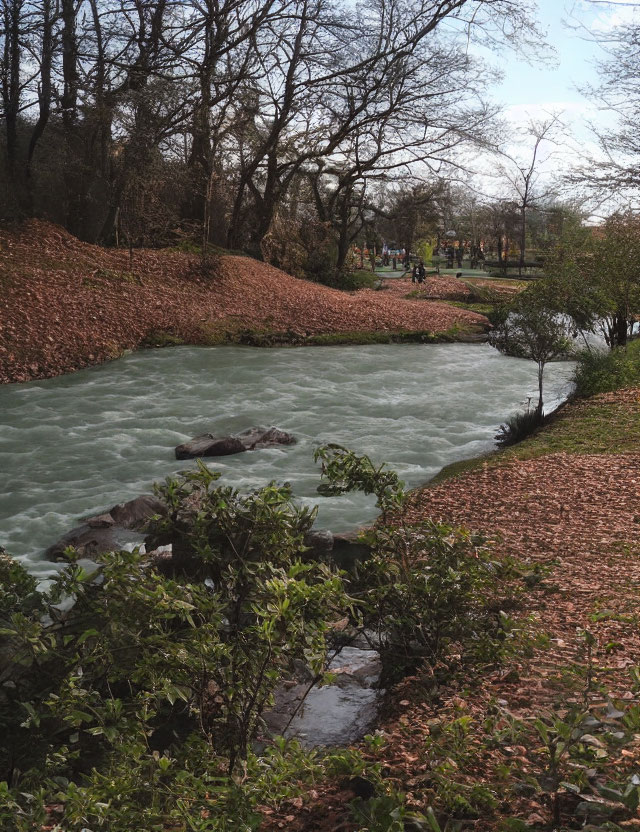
[{"x": 207, "y": 444}]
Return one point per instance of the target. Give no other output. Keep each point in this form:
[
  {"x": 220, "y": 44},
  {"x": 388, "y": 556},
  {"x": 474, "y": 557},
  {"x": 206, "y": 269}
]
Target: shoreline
[{"x": 65, "y": 305}]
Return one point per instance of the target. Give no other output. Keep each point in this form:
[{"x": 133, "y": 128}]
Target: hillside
[{"x": 65, "y": 304}]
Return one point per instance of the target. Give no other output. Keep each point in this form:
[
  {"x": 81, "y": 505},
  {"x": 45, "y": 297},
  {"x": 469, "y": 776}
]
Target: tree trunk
[
  {"x": 11, "y": 81},
  {"x": 523, "y": 237},
  {"x": 540, "y": 402},
  {"x": 620, "y": 331}
]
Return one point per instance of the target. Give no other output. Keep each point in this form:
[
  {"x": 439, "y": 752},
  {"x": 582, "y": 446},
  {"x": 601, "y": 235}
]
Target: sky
[{"x": 532, "y": 90}]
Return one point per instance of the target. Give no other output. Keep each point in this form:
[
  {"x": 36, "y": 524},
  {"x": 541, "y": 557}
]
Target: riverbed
[{"x": 75, "y": 445}]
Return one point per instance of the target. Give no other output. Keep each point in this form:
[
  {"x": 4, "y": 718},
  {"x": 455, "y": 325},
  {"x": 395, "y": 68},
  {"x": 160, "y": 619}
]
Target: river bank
[
  {"x": 65, "y": 304},
  {"x": 565, "y": 504}
]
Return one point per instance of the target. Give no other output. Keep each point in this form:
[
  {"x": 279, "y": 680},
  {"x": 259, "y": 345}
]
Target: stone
[
  {"x": 107, "y": 532},
  {"x": 135, "y": 513},
  {"x": 249, "y": 440},
  {"x": 86, "y": 540},
  {"x": 255, "y": 438},
  {"x": 209, "y": 445}
]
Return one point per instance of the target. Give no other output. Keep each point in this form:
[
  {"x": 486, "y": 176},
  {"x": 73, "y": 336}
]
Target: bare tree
[{"x": 527, "y": 185}]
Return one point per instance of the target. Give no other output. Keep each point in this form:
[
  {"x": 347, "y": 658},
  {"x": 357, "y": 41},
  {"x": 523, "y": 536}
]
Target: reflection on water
[{"x": 80, "y": 443}]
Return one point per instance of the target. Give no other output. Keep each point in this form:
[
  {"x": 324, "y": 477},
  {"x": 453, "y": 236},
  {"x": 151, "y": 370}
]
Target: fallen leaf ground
[
  {"x": 65, "y": 304},
  {"x": 568, "y": 501}
]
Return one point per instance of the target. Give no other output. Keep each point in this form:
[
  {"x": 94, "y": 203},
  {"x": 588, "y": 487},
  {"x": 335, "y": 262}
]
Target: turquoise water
[{"x": 75, "y": 445}]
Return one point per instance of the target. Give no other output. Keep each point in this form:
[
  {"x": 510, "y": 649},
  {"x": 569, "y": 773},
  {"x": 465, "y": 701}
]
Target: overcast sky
[{"x": 569, "y": 24}]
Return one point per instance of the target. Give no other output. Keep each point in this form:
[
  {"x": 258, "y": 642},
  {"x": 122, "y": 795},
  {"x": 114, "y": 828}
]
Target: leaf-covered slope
[{"x": 65, "y": 304}]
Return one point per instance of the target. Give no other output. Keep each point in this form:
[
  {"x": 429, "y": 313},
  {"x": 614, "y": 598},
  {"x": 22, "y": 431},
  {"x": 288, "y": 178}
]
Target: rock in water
[
  {"x": 255, "y": 438},
  {"x": 103, "y": 533},
  {"x": 249, "y": 440},
  {"x": 135, "y": 513},
  {"x": 88, "y": 541}
]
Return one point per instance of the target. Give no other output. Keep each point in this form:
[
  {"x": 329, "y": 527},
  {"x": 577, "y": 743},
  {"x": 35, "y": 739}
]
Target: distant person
[
  {"x": 450, "y": 253},
  {"x": 414, "y": 273},
  {"x": 459, "y": 255},
  {"x": 422, "y": 273}
]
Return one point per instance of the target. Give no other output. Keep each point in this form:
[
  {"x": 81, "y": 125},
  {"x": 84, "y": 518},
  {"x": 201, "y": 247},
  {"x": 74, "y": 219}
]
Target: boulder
[
  {"x": 249, "y": 440},
  {"x": 256, "y": 438},
  {"x": 135, "y": 513},
  {"x": 209, "y": 445},
  {"x": 107, "y": 532},
  {"x": 89, "y": 542}
]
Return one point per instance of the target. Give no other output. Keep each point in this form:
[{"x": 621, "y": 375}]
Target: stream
[{"x": 75, "y": 445}]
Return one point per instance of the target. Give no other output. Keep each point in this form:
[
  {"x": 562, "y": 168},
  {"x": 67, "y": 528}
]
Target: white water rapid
[{"x": 76, "y": 445}]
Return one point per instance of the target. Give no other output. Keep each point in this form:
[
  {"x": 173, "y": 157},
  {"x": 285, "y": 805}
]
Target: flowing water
[{"x": 78, "y": 444}]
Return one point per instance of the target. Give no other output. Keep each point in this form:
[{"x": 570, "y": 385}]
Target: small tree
[
  {"x": 594, "y": 277},
  {"x": 532, "y": 330}
]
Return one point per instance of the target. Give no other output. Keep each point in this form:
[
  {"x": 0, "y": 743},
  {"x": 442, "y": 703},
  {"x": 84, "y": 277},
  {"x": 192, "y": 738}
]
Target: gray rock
[
  {"x": 249, "y": 440},
  {"x": 107, "y": 532},
  {"x": 255, "y": 438},
  {"x": 86, "y": 540},
  {"x": 135, "y": 513},
  {"x": 209, "y": 445}
]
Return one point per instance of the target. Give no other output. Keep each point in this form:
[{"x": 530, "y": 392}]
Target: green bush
[
  {"x": 601, "y": 372},
  {"x": 518, "y": 427},
  {"x": 137, "y": 707},
  {"x": 426, "y": 589}
]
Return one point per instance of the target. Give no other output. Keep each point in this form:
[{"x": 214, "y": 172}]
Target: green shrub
[
  {"x": 425, "y": 590},
  {"x": 137, "y": 707},
  {"x": 598, "y": 371}
]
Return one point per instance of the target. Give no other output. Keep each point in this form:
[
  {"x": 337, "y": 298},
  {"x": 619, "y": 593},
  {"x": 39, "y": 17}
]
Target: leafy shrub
[
  {"x": 600, "y": 372},
  {"x": 518, "y": 427},
  {"x": 17, "y": 588},
  {"x": 135, "y": 708},
  {"x": 425, "y": 590}
]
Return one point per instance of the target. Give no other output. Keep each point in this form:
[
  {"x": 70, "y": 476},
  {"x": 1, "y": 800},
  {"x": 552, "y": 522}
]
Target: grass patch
[
  {"x": 499, "y": 281},
  {"x": 160, "y": 338},
  {"x": 456, "y": 469},
  {"x": 358, "y": 337},
  {"x": 231, "y": 332},
  {"x": 190, "y": 247},
  {"x": 581, "y": 427},
  {"x": 486, "y": 309}
]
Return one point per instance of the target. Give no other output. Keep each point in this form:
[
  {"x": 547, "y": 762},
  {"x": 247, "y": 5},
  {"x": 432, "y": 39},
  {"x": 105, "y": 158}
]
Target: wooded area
[{"x": 239, "y": 121}]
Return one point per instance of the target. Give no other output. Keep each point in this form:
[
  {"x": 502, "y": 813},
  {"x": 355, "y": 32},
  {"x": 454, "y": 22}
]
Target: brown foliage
[{"x": 65, "y": 304}]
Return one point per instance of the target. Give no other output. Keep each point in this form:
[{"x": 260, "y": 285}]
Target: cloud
[{"x": 603, "y": 18}]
